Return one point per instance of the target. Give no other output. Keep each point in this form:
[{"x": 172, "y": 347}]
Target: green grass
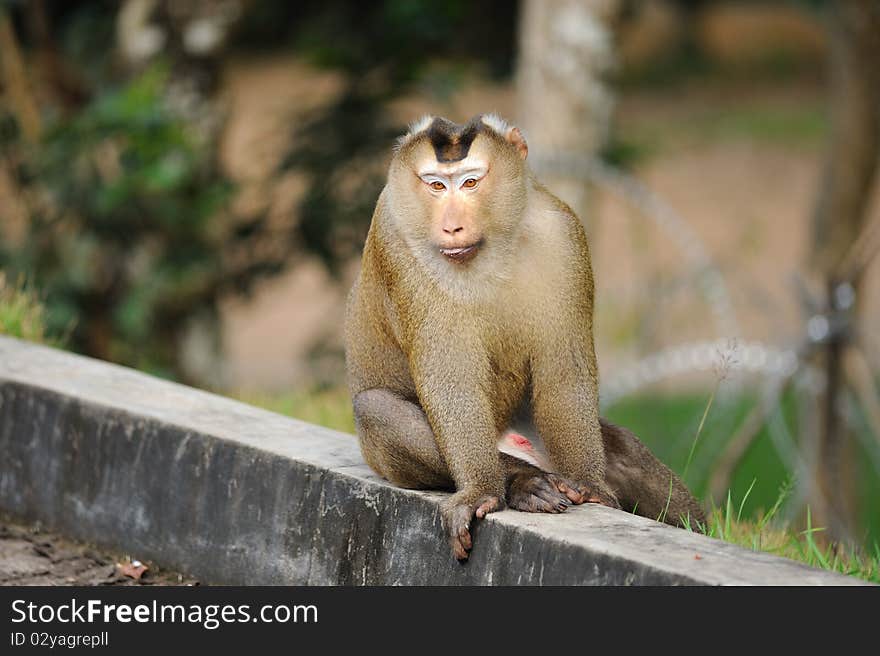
[
  {"x": 22, "y": 314},
  {"x": 684, "y": 431},
  {"x": 766, "y": 533}
]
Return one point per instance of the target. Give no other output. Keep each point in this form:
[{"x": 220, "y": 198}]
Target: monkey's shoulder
[{"x": 555, "y": 221}]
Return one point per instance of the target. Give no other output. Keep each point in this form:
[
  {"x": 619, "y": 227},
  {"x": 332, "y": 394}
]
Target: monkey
[{"x": 473, "y": 306}]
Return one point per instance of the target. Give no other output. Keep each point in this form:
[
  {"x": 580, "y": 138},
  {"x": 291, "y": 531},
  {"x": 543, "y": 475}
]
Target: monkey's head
[{"x": 459, "y": 192}]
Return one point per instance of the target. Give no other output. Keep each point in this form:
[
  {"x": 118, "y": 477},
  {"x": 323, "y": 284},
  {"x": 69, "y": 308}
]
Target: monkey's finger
[
  {"x": 602, "y": 498},
  {"x": 554, "y": 505},
  {"x": 568, "y": 489},
  {"x": 535, "y": 502},
  {"x": 590, "y": 496},
  {"x": 464, "y": 537},
  {"x": 460, "y": 541},
  {"x": 549, "y": 494},
  {"x": 458, "y": 549},
  {"x": 587, "y": 494},
  {"x": 486, "y": 506},
  {"x": 456, "y": 521}
]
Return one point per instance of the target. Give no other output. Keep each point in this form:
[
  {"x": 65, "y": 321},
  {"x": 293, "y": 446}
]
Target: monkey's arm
[
  {"x": 565, "y": 403},
  {"x": 450, "y": 370}
]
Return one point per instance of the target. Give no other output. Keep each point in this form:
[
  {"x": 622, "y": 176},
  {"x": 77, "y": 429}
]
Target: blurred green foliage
[
  {"x": 126, "y": 234},
  {"x": 123, "y": 236}
]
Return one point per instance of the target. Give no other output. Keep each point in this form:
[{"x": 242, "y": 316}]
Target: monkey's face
[
  {"x": 460, "y": 194},
  {"x": 454, "y": 195}
]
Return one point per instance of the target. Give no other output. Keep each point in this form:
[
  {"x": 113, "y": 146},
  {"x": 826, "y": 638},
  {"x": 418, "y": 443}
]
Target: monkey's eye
[
  {"x": 437, "y": 185},
  {"x": 470, "y": 183}
]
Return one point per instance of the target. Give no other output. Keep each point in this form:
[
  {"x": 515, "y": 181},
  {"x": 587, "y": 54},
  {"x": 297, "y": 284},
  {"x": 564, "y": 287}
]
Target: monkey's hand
[
  {"x": 537, "y": 491},
  {"x": 457, "y": 513}
]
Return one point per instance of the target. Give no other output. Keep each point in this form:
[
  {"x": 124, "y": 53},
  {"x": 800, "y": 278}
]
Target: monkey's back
[{"x": 373, "y": 353}]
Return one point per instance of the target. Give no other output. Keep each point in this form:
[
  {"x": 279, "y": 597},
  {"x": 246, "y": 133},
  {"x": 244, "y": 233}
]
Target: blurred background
[{"x": 185, "y": 188}]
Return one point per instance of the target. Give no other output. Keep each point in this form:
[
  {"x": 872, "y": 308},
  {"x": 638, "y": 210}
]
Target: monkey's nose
[{"x": 452, "y": 229}]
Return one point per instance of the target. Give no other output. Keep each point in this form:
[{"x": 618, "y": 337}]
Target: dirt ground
[{"x": 31, "y": 555}]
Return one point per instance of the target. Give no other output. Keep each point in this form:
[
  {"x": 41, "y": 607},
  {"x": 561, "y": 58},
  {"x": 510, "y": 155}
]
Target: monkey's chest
[{"x": 510, "y": 379}]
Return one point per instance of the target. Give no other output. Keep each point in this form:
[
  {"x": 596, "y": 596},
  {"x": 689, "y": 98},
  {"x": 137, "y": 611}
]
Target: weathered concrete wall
[{"x": 233, "y": 494}]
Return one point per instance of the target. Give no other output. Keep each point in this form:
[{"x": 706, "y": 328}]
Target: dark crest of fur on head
[{"x": 452, "y": 141}]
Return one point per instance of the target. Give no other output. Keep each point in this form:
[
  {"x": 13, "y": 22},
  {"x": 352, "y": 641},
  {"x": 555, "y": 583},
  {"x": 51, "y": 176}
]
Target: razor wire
[
  {"x": 649, "y": 205},
  {"x": 691, "y": 357},
  {"x": 771, "y": 363}
]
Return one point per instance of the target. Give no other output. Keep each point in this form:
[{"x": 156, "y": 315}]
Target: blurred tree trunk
[
  {"x": 847, "y": 177},
  {"x": 59, "y": 79},
  {"x": 564, "y": 105},
  {"x": 16, "y": 80}
]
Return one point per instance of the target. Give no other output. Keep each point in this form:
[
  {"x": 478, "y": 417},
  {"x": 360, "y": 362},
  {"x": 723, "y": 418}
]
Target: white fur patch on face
[{"x": 472, "y": 165}]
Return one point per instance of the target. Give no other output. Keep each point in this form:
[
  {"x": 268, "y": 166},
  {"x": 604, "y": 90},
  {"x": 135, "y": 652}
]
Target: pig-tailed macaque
[{"x": 474, "y": 308}]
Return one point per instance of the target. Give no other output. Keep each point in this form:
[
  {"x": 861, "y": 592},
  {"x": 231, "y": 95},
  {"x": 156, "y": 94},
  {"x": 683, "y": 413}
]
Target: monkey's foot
[
  {"x": 544, "y": 492},
  {"x": 598, "y": 493},
  {"x": 457, "y": 515}
]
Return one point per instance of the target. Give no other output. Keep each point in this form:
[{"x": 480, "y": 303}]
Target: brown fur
[{"x": 441, "y": 354}]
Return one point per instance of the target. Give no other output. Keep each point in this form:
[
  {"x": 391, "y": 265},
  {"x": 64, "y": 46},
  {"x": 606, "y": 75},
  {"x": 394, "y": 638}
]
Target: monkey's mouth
[{"x": 461, "y": 253}]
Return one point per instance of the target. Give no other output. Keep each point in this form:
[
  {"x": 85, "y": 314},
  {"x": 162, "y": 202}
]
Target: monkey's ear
[{"x": 515, "y": 137}]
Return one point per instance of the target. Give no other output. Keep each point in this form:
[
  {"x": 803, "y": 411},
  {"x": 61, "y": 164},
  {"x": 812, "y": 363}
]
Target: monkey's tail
[{"x": 646, "y": 486}]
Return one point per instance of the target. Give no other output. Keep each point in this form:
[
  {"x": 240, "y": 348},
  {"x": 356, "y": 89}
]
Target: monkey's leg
[
  {"x": 397, "y": 441},
  {"x": 644, "y": 484}
]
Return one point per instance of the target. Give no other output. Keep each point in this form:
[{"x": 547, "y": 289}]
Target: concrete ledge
[{"x": 236, "y": 495}]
